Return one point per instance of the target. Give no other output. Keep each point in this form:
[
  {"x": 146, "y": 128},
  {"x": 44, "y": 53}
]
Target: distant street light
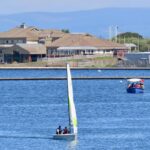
[{"x": 116, "y": 29}]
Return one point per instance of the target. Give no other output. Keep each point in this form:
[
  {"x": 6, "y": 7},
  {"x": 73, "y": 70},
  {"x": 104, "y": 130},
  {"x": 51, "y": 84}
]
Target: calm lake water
[{"x": 108, "y": 117}]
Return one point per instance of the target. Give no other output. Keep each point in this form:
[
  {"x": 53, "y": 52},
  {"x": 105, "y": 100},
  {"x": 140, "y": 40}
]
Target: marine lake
[{"x": 108, "y": 117}]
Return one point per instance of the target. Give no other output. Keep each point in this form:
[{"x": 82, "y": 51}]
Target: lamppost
[
  {"x": 116, "y": 30},
  {"x": 138, "y": 43}
]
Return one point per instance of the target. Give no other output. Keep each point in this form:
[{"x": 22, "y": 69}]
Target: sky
[{"x": 19, "y": 6}]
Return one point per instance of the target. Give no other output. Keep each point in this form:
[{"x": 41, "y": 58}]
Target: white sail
[{"x": 71, "y": 105}]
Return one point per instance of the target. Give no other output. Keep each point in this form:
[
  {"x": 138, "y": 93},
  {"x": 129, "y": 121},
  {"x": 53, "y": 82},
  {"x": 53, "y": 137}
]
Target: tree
[
  {"x": 130, "y": 35},
  {"x": 65, "y": 30},
  {"x": 142, "y": 43}
]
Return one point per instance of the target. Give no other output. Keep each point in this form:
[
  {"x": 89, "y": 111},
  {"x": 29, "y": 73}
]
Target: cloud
[{"x": 17, "y": 6}]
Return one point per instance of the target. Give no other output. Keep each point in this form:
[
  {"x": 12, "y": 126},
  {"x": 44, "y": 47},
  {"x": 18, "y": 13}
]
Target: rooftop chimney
[{"x": 23, "y": 26}]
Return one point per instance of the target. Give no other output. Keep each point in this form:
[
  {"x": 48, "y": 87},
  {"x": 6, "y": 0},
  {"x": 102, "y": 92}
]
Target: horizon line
[{"x": 73, "y": 11}]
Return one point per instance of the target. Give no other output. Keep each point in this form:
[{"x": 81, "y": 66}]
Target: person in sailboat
[
  {"x": 59, "y": 130},
  {"x": 65, "y": 131}
]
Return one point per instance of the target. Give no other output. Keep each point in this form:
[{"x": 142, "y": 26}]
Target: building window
[
  {"x": 9, "y": 41},
  {"x": 20, "y": 41}
]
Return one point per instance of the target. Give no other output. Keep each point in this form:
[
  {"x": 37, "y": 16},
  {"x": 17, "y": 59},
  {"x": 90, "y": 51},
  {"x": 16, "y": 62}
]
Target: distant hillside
[{"x": 93, "y": 21}]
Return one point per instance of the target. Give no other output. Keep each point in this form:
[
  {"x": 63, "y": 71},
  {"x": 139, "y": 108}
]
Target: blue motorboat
[{"x": 135, "y": 86}]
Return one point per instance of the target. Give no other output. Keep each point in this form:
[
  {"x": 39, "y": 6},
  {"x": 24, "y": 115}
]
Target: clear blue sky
[{"x": 17, "y": 6}]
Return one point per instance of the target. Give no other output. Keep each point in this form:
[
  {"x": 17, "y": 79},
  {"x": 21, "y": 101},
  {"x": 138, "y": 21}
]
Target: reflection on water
[{"x": 72, "y": 145}]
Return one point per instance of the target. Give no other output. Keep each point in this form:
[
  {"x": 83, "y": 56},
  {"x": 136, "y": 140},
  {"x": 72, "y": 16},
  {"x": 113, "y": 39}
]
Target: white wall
[{"x": 32, "y": 42}]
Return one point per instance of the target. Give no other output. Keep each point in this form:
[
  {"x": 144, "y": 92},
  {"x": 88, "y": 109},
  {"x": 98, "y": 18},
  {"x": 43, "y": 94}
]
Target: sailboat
[{"x": 71, "y": 113}]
